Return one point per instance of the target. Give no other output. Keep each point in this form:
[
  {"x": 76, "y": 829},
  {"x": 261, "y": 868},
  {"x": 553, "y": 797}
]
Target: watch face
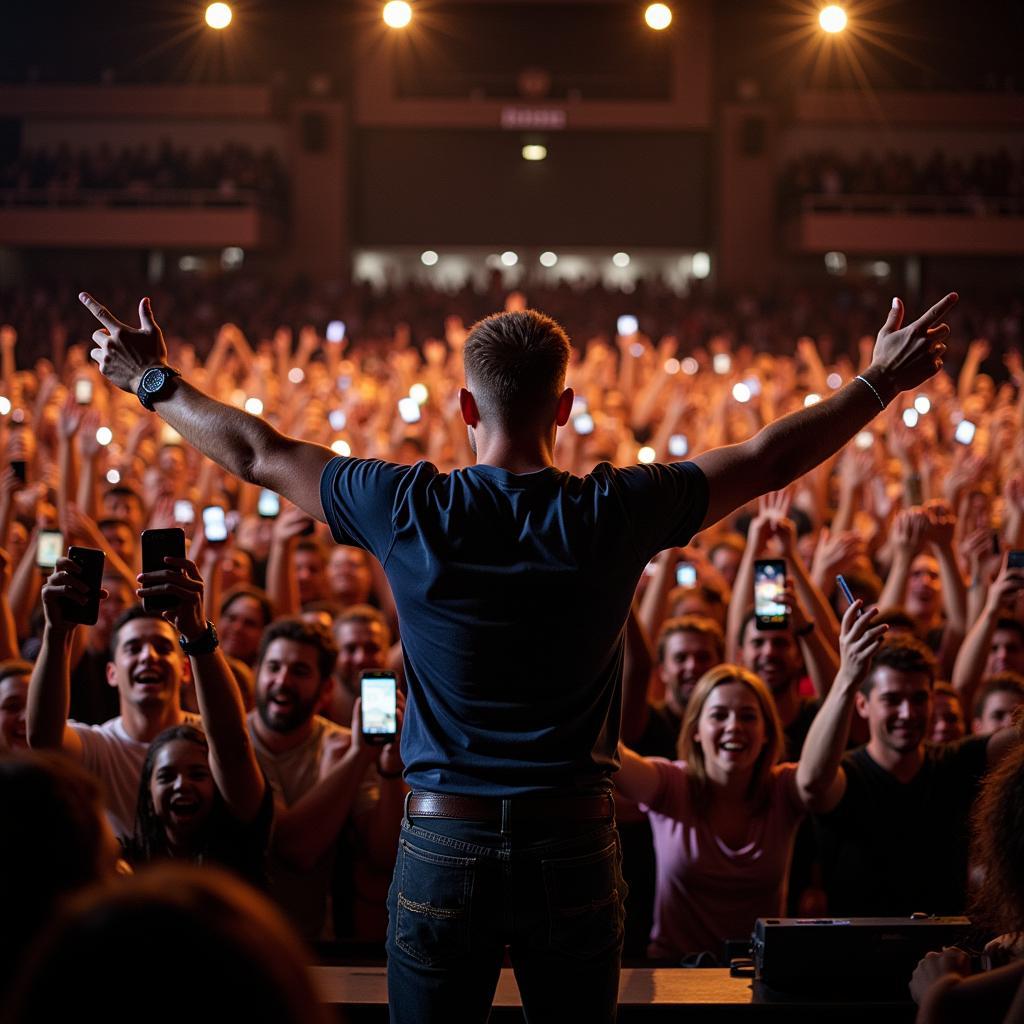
[{"x": 153, "y": 379}]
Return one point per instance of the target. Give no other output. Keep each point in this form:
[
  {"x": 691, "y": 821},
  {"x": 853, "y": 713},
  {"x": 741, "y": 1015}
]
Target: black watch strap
[
  {"x": 154, "y": 384},
  {"x": 205, "y": 643}
]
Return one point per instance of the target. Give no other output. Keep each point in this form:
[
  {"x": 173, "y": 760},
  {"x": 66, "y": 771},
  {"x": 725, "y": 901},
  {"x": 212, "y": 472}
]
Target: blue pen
[{"x": 847, "y": 593}]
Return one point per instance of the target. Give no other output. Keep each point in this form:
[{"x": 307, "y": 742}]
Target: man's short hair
[
  {"x": 311, "y": 544},
  {"x": 896, "y": 618},
  {"x": 901, "y": 654},
  {"x": 1013, "y": 625},
  {"x": 123, "y": 491},
  {"x": 1001, "y": 682},
  {"x": 259, "y": 596},
  {"x": 313, "y": 634},
  {"x": 731, "y": 542},
  {"x": 749, "y": 618},
  {"x": 15, "y": 667},
  {"x": 111, "y": 522},
  {"x": 946, "y": 689},
  {"x": 367, "y": 614},
  {"x": 515, "y": 366},
  {"x": 699, "y": 624},
  {"x": 136, "y": 611}
]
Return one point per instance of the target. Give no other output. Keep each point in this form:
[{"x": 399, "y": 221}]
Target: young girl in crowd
[{"x": 724, "y": 816}]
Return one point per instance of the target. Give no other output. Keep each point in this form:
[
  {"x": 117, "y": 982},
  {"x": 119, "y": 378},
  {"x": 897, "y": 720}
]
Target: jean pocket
[
  {"x": 432, "y": 904},
  {"x": 585, "y": 894}
]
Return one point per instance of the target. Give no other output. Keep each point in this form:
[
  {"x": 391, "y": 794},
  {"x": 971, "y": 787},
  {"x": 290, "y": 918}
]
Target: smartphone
[
  {"x": 49, "y": 548},
  {"x": 156, "y": 546},
  {"x": 965, "y": 432},
  {"x": 336, "y": 331},
  {"x": 379, "y": 709},
  {"x": 1015, "y": 560},
  {"x": 83, "y": 396},
  {"x": 678, "y": 445},
  {"x": 770, "y": 593},
  {"x": 184, "y": 512},
  {"x": 215, "y": 527},
  {"x": 847, "y": 593},
  {"x": 90, "y": 560},
  {"x": 409, "y": 410},
  {"x": 686, "y": 574},
  {"x": 20, "y": 468},
  {"x": 268, "y": 505}
]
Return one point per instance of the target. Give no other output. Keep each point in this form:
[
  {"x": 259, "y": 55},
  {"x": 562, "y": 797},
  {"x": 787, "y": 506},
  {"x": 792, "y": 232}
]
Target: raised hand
[
  {"x": 65, "y": 583},
  {"x": 909, "y": 354},
  {"x": 858, "y": 642},
  {"x": 181, "y": 580},
  {"x": 124, "y": 353}
]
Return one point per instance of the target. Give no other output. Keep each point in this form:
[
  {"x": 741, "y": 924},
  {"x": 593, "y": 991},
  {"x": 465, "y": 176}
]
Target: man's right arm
[
  {"x": 245, "y": 445},
  {"x": 783, "y": 451},
  {"x": 49, "y": 691}
]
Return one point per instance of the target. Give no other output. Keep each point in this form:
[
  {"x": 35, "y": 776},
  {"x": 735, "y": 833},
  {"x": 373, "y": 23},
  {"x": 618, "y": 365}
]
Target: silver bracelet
[{"x": 874, "y": 390}]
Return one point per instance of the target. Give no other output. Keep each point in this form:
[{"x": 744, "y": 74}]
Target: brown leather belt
[{"x": 593, "y": 807}]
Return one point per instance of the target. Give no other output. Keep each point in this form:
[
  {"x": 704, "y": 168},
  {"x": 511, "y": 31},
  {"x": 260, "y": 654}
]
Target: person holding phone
[
  {"x": 725, "y": 815},
  {"x": 513, "y": 583}
]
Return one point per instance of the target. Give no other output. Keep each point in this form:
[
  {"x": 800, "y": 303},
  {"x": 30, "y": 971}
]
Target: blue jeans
[{"x": 550, "y": 891}]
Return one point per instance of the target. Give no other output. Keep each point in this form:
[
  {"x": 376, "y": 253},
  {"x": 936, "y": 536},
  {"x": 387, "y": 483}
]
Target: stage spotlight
[
  {"x": 832, "y": 18},
  {"x": 428, "y": 258},
  {"x": 547, "y": 259},
  {"x": 397, "y": 14},
  {"x": 621, "y": 259},
  {"x": 509, "y": 258},
  {"x": 218, "y": 16},
  {"x": 658, "y": 16},
  {"x": 535, "y": 152}
]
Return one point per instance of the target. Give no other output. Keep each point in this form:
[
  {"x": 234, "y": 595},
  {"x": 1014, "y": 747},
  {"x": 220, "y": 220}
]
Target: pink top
[{"x": 706, "y": 891}]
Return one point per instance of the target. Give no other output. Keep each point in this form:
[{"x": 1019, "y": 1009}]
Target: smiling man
[
  {"x": 897, "y": 842},
  {"x": 147, "y": 667}
]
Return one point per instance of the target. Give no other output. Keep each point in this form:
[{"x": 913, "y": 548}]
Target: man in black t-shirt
[{"x": 897, "y": 842}]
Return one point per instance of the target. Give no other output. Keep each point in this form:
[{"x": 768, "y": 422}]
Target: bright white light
[
  {"x": 864, "y": 440},
  {"x": 678, "y": 445},
  {"x": 584, "y": 423},
  {"x": 397, "y": 14},
  {"x": 5, "y": 405},
  {"x": 741, "y": 392},
  {"x": 535, "y": 152},
  {"x": 254, "y": 406},
  {"x": 548, "y": 259},
  {"x": 341, "y": 447},
  {"x": 689, "y": 366},
  {"x": 700, "y": 266},
  {"x": 232, "y": 257},
  {"x": 296, "y": 375},
  {"x": 910, "y": 417},
  {"x": 113, "y": 476},
  {"x": 754, "y": 384},
  {"x": 337, "y": 419},
  {"x": 672, "y": 365},
  {"x": 880, "y": 268},
  {"x": 722, "y": 363},
  {"x": 409, "y": 410},
  {"x": 658, "y": 16},
  {"x": 646, "y": 455},
  {"x": 834, "y": 381},
  {"x": 811, "y": 399},
  {"x": 922, "y": 404},
  {"x": 832, "y": 18},
  {"x": 218, "y": 16},
  {"x": 627, "y": 325},
  {"x": 835, "y": 263},
  {"x": 419, "y": 393},
  {"x": 621, "y": 259},
  {"x": 509, "y": 258},
  {"x": 429, "y": 258},
  {"x": 104, "y": 436}
]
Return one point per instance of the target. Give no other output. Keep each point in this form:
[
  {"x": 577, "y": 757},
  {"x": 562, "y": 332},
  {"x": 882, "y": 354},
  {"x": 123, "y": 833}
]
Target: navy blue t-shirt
[{"x": 512, "y": 593}]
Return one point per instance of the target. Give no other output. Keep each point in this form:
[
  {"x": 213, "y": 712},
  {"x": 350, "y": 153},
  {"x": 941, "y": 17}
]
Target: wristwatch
[
  {"x": 155, "y": 383},
  {"x": 205, "y": 643}
]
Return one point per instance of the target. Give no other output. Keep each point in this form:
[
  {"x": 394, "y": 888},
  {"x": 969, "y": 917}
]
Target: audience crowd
[
  {"x": 234, "y": 172},
  {"x": 828, "y": 766},
  {"x": 980, "y": 183}
]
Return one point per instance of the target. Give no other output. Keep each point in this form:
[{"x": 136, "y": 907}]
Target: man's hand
[
  {"x": 908, "y": 355},
  {"x": 858, "y": 642},
  {"x": 124, "y": 353},
  {"x": 1007, "y": 587},
  {"x": 64, "y": 584},
  {"x": 182, "y": 581},
  {"x": 909, "y": 531}
]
